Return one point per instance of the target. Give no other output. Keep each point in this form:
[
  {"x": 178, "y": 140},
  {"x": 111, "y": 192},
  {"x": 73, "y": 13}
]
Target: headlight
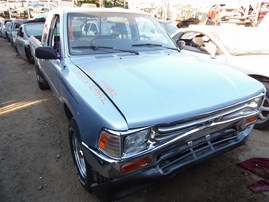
[
  {"x": 256, "y": 102},
  {"x": 136, "y": 142},
  {"x": 252, "y": 105}
]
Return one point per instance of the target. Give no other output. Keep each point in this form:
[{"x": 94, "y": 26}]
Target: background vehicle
[
  {"x": 13, "y": 30},
  {"x": 3, "y": 28},
  {"x": 27, "y": 29},
  {"x": 134, "y": 113},
  {"x": 244, "y": 49},
  {"x": 6, "y": 29}
]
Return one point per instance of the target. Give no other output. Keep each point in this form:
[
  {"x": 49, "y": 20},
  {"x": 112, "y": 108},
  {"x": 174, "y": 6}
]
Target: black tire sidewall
[
  {"x": 41, "y": 82},
  {"x": 29, "y": 56}
]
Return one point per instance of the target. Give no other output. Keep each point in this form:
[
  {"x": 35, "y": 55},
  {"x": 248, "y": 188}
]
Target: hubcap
[{"x": 79, "y": 157}]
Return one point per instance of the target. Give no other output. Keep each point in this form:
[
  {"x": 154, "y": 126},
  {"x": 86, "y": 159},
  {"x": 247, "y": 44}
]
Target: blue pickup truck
[{"x": 139, "y": 109}]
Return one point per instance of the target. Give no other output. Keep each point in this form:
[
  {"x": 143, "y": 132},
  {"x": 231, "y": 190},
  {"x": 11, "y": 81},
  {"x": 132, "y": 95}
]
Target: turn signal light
[
  {"x": 251, "y": 120},
  {"x": 110, "y": 144},
  {"x": 103, "y": 140},
  {"x": 134, "y": 165}
]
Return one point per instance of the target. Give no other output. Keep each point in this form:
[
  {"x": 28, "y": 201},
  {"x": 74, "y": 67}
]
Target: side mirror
[
  {"x": 181, "y": 44},
  {"x": 46, "y": 53}
]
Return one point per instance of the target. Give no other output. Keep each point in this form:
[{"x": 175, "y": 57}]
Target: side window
[
  {"x": 200, "y": 43},
  {"x": 94, "y": 29},
  {"x": 45, "y": 34},
  {"x": 46, "y": 30},
  {"x": 54, "y": 35},
  {"x": 17, "y": 26},
  {"x": 20, "y": 32}
]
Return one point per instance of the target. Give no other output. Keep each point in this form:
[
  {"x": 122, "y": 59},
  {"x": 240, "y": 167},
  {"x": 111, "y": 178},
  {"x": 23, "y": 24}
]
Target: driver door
[{"x": 52, "y": 67}]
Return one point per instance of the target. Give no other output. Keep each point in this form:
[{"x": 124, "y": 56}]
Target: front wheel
[
  {"x": 263, "y": 121},
  {"x": 41, "y": 81},
  {"x": 29, "y": 56},
  {"x": 84, "y": 171}
]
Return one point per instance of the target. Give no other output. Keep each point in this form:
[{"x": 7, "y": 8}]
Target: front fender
[{"x": 91, "y": 109}]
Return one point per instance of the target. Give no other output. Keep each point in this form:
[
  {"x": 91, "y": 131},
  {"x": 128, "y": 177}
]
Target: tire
[
  {"x": 83, "y": 169},
  {"x": 29, "y": 56},
  {"x": 16, "y": 50},
  {"x": 41, "y": 81},
  {"x": 263, "y": 121},
  {"x": 86, "y": 174}
]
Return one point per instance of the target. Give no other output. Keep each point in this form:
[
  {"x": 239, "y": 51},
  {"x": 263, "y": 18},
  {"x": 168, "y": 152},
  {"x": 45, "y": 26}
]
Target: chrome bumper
[
  {"x": 164, "y": 163},
  {"x": 174, "y": 154}
]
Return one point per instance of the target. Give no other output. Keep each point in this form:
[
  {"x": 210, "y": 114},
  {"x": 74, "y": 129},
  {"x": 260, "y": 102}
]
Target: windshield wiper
[
  {"x": 156, "y": 45},
  {"x": 147, "y": 44},
  {"x": 93, "y": 47},
  {"x": 176, "y": 49}
]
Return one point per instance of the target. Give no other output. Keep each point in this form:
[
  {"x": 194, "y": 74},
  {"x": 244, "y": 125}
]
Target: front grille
[
  {"x": 204, "y": 119},
  {"x": 209, "y": 123},
  {"x": 177, "y": 156},
  {"x": 187, "y": 141}
]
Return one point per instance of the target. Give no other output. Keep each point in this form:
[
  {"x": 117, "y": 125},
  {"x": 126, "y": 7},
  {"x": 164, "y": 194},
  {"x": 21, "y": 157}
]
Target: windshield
[
  {"x": 109, "y": 32},
  {"x": 244, "y": 41},
  {"x": 34, "y": 29}
]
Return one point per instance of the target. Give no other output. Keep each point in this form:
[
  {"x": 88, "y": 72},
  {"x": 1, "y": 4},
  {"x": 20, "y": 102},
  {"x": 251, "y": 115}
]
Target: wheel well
[
  {"x": 260, "y": 78},
  {"x": 68, "y": 112}
]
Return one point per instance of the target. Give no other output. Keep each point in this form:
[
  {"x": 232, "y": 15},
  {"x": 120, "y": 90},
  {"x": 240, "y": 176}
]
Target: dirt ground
[{"x": 36, "y": 164}]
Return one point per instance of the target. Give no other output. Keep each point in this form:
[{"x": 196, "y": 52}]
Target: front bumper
[{"x": 162, "y": 162}]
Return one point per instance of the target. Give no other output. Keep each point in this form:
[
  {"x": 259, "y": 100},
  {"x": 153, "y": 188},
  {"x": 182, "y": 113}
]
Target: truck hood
[
  {"x": 250, "y": 64},
  {"x": 163, "y": 86}
]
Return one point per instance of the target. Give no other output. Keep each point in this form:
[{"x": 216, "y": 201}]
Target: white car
[{"x": 242, "y": 48}]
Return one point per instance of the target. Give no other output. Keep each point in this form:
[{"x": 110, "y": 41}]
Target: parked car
[
  {"x": 138, "y": 108},
  {"x": 1, "y": 26},
  {"x": 12, "y": 34},
  {"x": 242, "y": 48},
  {"x": 27, "y": 29},
  {"x": 6, "y": 29}
]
